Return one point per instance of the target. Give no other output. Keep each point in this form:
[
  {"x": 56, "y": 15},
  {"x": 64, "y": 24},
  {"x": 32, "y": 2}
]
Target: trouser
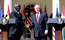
[
  {"x": 14, "y": 38},
  {"x": 41, "y": 38}
]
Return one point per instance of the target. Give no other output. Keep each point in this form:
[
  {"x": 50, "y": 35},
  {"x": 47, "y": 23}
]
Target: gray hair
[{"x": 37, "y": 6}]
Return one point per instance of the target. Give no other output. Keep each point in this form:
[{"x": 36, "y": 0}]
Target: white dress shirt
[{"x": 38, "y": 14}]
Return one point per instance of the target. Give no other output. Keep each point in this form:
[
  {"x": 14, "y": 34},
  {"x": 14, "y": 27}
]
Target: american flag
[
  {"x": 0, "y": 31},
  {"x": 29, "y": 21}
]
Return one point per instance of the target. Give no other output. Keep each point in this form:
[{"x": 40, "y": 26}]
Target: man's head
[
  {"x": 37, "y": 8},
  {"x": 17, "y": 7}
]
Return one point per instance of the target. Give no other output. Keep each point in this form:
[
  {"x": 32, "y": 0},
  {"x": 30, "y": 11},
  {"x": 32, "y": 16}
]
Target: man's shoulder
[
  {"x": 13, "y": 11},
  {"x": 33, "y": 15},
  {"x": 43, "y": 13}
]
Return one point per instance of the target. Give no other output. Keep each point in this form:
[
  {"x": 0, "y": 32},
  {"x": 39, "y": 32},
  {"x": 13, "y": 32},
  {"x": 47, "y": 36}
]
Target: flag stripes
[
  {"x": 53, "y": 34},
  {"x": 29, "y": 21}
]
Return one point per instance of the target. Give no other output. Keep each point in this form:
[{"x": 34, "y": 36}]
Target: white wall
[{"x": 48, "y": 4}]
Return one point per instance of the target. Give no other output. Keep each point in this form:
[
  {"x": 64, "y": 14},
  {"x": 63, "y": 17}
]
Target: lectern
[
  {"x": 58, "y": 24},
  {"x": 5, "y": 24}
]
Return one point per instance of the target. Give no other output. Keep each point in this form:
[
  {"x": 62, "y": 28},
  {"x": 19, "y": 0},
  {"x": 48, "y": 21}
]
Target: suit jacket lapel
[
  {"x": 35, "y": 18},
  {"x": 18, "y": 15},
  {"x": 40, "y": 17}
]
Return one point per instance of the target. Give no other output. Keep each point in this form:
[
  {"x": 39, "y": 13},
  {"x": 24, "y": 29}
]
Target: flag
[
  {"x": 34, "y": 12},
  {"x": 29, "y": 19},
  {"x": 63, "y": 33},
  {"x": 45, "y": 9},
  {"x": 57, "y": 12},
  {"x": 8, "y": 13},
  {"x": 24, "y": 15},
  {"x": 63, "y": 29},
  {"x": 63, "y": 13},
  {"x": 1, "y": 14},
  {"x": 24, "y": 18}
]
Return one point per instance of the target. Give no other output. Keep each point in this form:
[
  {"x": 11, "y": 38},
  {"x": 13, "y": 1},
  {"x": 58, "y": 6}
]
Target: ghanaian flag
[
  {"x": 24, "y": 20},
  {"x": 24, "y": 15}
]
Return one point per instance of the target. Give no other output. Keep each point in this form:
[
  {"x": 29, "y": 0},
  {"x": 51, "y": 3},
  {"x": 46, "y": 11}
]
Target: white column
[
  {"x": 55, "y": 3},
  {"x": 6, "y": 3}
]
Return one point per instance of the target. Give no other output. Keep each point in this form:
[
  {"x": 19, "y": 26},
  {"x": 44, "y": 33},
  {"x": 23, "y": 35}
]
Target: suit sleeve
[
  {"x": 46, "y": 18},
  {"x": 18, "y": 22},
  {"x": 32, "y": 25}
]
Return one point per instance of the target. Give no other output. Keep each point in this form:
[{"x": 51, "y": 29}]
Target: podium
[
  {"x": 58, "y": 24},
  {"x": 5, "y": 24}
]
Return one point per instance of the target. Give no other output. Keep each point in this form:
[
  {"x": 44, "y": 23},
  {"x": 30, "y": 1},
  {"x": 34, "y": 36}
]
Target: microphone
[
  {"x": 3, "y": 15},
  {"x": 6, "y": 15}
]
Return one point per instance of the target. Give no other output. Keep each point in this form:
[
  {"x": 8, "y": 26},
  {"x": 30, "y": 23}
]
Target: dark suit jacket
[
  {"x": 17, "y": 29},
  {"x": 39, "y": 28}
]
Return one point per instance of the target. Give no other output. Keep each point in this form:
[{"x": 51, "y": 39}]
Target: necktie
[{"x": 37, "y": 18}]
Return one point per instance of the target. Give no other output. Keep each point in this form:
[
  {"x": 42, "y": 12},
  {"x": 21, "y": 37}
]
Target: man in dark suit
[
  {"x": 39, "y": 21},
  {"x": 15, "y": 32}
]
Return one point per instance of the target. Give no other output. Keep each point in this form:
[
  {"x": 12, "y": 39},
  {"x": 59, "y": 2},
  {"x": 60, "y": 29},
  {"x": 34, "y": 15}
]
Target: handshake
[{"x": 27, "y": 25}]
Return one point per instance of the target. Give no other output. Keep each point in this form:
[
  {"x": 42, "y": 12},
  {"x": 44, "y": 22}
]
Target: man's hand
[
  {"x": 27, "y": 26},
  {"x": 46, "y": 32}
]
